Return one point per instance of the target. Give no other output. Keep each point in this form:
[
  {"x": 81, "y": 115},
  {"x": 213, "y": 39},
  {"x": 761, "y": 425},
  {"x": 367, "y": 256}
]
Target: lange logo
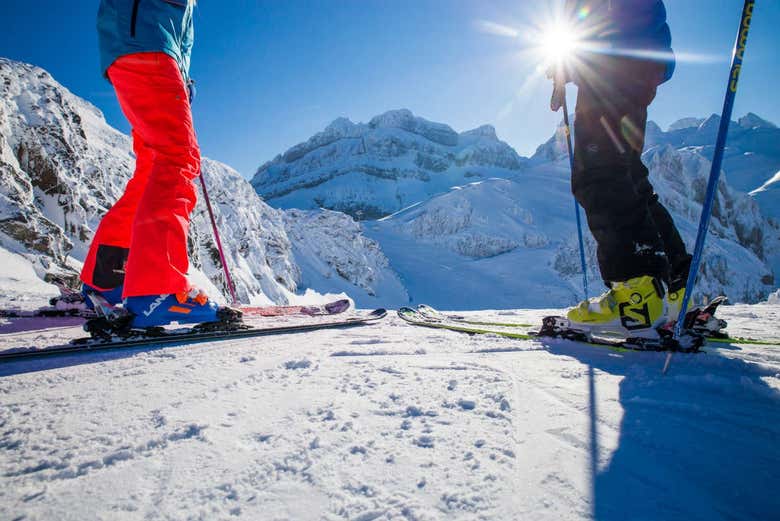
[
  {"x": 634, "y": 317},
  {"x": 154, "y": 305},
  {"x": 741, "y": 44}
]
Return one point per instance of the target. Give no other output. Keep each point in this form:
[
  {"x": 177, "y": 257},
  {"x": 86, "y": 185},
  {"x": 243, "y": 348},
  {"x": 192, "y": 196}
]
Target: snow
[
  {"x": 774, "y": 180},
  {"x": 512, "y": 242},
  {"x": 394, "y": 421},
  {"x": 333, "y": 253},
  {"x": 20, "y": 284}
]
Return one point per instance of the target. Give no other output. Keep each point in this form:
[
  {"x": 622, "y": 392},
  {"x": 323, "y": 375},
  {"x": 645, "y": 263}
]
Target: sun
[{"x": 558, "y": 42}]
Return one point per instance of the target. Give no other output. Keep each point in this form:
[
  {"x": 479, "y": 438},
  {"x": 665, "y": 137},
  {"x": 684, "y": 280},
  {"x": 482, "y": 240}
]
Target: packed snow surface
[{"x": 393, "y": 421}]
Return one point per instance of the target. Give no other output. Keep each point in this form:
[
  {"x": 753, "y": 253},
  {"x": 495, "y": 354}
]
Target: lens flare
[{"x": 558, "y": 42}]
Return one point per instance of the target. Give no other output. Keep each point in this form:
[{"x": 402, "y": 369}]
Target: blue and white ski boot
[{"x": 191, "y": 307}]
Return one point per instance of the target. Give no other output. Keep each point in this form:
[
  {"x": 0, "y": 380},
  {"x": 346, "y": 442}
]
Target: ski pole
[
  {"x": 567, "y": 129},
  {"x": 222, "y": 259},
  {"x": 737, "y": 55}
]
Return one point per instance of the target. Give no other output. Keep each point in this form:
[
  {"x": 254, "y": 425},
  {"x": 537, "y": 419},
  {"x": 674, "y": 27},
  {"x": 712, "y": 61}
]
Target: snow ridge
[{"x": 372, "y": 170}]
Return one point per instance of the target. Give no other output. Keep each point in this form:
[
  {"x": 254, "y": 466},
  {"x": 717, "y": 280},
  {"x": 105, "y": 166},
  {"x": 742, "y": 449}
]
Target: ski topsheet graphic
[{"x": 196, "y": 334}]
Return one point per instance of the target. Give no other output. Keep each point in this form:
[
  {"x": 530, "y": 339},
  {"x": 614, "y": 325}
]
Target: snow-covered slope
[
  {"x": 62, "y": 166},
  {"x": 512, "y": 242},
  {"x": 492, "y": 243},
  {"x": 258, "y": 249},
  {"x": 768, "y": 196},
  {"x": 333, "y": 253},
  {"x": 374, "y": 169},
  {"x": 752, "y": 155},
  {"x": 504, "y": 243},
  {"x": 394, "y": 422}
]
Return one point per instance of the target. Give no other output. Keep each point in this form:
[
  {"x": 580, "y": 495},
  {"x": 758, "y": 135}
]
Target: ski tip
[
  {"x": 378, "y": 313},
  {"x": 338, "y": 306}
]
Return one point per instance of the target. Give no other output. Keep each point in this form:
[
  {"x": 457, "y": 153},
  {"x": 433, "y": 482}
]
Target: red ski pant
[{"x": 142, "y": 240}]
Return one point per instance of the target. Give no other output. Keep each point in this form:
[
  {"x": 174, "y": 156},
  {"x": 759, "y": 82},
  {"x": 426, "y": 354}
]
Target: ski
[
  {"x": 705, "y": 322},
  {"x": 197, "y": 334},
  {"x": 414, "y": 317},
  {"x": 331, "y": 308},
  {"x": 743, "y": 340},
  {"x": 48, "y": 312},
  {"x": 431, "y": 313},
  {"x": 79, "y": 309},
  {"x": 560, "y": 327},
  {"x": 69, "y": 303}
]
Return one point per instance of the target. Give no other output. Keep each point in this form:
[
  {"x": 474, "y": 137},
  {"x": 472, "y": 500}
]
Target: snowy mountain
[
  {"x": 62, "y": 166},
  {"x": 501, "y": 232},
  {"x": 374, "y": 169},
  {"x": 751, "y": 158},
  {"x": 506, "y": 243}
]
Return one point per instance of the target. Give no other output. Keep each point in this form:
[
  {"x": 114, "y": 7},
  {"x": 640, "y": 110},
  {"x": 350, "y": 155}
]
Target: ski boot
[
  {"x": 191, "y": 307},
  {"x": 633, "y": 314},
  {"x": 631, "y": 309}
]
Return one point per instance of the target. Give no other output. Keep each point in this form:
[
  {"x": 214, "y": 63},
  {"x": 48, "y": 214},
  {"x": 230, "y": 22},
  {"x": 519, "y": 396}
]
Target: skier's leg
[
  {"x": 642, "y": 93},
  {"x": 609, "y": 128},
  {"x": 618, "y": 216},
  {"x": 679, "y": 258},
  {"x": 104, "y": 266},
  {"x": 153, "y": 97}
]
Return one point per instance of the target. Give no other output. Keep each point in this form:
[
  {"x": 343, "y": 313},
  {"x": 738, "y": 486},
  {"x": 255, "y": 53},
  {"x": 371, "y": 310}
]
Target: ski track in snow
[{"x": 393, "y": 422}]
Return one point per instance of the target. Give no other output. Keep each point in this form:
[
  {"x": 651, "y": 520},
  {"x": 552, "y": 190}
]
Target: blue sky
[{"x": 272, "y": 73}]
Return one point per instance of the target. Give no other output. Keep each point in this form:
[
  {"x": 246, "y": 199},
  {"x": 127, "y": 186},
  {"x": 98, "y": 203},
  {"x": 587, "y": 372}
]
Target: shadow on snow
[{"x": 698, "y": 443}]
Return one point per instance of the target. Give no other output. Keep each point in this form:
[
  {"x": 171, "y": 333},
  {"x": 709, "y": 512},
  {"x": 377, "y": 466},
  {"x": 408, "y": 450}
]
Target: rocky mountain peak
[
  {"x": 62, "y": 166},
  {"x": 372, "y": 170},
  {"x": 710, "y": 124},
  {"x": 342, "y": 126},
  {"x": 404, "y": 119},
  {"x": 684, "y": 123},
  {"x": 752, "y": 121},
  {"x": 488, "y": 131}
]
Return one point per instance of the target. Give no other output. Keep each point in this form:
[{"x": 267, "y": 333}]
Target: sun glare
[{"x": 558, "y": 43}]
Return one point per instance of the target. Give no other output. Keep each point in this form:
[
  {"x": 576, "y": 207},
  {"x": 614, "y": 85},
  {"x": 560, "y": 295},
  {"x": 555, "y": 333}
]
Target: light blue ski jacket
[{"x": 133, "y": 26}]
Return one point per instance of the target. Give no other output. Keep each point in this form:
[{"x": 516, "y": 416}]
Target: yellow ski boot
[{"x": 630, "y": 309}]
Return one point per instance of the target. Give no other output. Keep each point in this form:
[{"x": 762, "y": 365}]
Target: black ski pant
[{"x": 634, "y": 232}]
